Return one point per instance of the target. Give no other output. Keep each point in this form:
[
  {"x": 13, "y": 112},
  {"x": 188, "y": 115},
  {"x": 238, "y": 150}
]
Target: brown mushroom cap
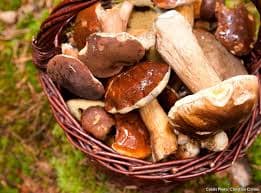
[
  {"x": 136, "y": 87},
  {"x": 220, "y": 107},
  {"x": 237, "y": 27},
  {"x": 97, "y": 121},
  {"x": 207, "y": 9},
  {"x": 132, "y": 138},
  {"x": 169, "y": 4},
  {"x": 107, "y": 53},
  {"x": 167, "y": 98},
  {"x": 86, "y": 23},
  {"x": 72, "y": 74}
]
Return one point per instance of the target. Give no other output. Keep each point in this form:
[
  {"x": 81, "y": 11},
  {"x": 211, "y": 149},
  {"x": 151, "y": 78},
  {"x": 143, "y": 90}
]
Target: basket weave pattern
[{"x": 47, "y": 44}]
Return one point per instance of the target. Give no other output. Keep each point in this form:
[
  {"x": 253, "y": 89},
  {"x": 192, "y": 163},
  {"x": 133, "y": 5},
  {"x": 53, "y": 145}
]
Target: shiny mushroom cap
[
  {"x": 136, "y": 87},
  {"x": 70, "y": 73},
  {"x": 107, "y": 53},
  {"x": 220, "y": 107},
  {"x": 132, "y": 138}
]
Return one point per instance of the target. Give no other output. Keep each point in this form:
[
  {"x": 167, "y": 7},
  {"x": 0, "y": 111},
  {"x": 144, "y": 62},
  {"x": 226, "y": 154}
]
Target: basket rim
[{"x": 175, "y": 170}]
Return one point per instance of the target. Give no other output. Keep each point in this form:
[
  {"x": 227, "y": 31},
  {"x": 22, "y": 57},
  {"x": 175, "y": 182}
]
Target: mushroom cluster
[{"x": 158, "y": 78}]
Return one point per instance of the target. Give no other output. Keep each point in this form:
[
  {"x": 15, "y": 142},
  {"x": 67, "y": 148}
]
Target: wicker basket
[{"x": 47, "y": 44}]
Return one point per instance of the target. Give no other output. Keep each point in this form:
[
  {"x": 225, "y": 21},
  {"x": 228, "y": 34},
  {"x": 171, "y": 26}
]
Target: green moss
[
  {"x": 8, "y": 190},
  {"x": 254, "y": 155},
  {"x": 10, "y": 5}
]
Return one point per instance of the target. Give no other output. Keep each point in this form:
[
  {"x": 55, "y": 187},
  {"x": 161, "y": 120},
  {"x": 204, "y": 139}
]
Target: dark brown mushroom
[
  {"x": 72, "y": 74},
  {"x": 238, "y": 26},
  {"x": 132, "y": 138},
  {"x": 97, "y": 121},
  {"x": 106, "y": 54}
]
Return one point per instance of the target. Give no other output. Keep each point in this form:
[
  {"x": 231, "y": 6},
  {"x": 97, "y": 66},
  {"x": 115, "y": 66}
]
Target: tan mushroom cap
[
  {"x": 136, "y": 87},
  {"x": 70, "y": 73},
  {"x": 220, "y": 107},
  {"x": 132, "y": 138},
  {"x": 170, "y": 4},
  {"x": 106, "y": 54}
]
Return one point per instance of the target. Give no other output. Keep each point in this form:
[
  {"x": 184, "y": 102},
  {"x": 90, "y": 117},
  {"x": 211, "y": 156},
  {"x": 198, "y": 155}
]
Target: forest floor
[{"x": 35, "y": 156}]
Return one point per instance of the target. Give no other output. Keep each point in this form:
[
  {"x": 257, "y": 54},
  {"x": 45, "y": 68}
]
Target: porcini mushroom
[
  {"x": 224, "y": 63},
  {"x": 85, "y": 24},
  {"x": 106, "y": 54},
  {"x": 238, "y": 25},
  {"x": 186, "y": 57},
  {"x": 188, "y": 150},
  {"x": 215, "y": 143},
  {"x": 205, "y": 9},
  {"x": 132, "y": 138},
  {"x": 97, "y": 121},
  {"x": 114, "y": 19},
  {"x": 220, "y": 107},
  {"x": 70, "y": 73},
  {"x": 137, "y": 88},
  {"x": 77, "y": 106},
  {"x": 170, "y": 4}
]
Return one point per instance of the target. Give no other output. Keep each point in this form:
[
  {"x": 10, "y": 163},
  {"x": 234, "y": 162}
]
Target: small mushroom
[
  {"x": 170, "y": 4},
  {"x": 114, "y": 19},
  {"x": 238, "y": 26},
  {"x": 97, "y": 121},
  {"x": 77, "y": 106},
  {"x": 70, "y": 73},
  {"x": 132, "y": 138},
  {"x": 188, "y": 150},
  {"x": 106, "y": 54},
  {"x": 215, "y": 143},
  {"x": 224, "y": 63},
  {"x": 220, "y": 107},
  {"x": 85, "y": 24},
  {"x": 138, "y": 87}
]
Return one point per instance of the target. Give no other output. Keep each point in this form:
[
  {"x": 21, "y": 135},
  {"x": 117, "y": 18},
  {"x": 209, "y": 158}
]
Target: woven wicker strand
[{"x": 47, "y": 44}]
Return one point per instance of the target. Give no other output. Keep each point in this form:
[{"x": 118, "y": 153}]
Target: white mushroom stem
[
  {"x": 77, "y": 106},
  {"x": 216, "y": 143},
  {"x": 163, "y": 139},
  {"x": 115, "y": 19},
  {"x": 186, "y": 57}
]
